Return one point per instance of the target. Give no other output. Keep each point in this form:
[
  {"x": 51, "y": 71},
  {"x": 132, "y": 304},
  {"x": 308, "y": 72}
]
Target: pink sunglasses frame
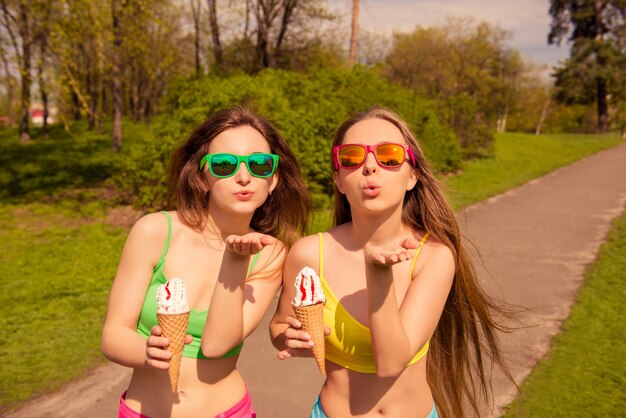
[{"x": 372, "y": 149}]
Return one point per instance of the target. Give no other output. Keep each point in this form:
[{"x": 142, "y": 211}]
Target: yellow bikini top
[{"x": 350, "y": 342}]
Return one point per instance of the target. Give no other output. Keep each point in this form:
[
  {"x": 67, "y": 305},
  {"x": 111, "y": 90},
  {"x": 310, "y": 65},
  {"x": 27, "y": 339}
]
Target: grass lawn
[
  {"x": 59, "y": 254},
  {"x": 584, "y": 375},
  {"x": 58, "y": 262},
  {"x": 518, "y": 159}
]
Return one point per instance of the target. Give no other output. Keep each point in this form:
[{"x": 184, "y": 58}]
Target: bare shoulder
[
  {"x": 151, "y": 227},
  {"x": 436, "y": 255},
  {"x": 305, "y": 249},
  {"x": 304, "y": 246}
]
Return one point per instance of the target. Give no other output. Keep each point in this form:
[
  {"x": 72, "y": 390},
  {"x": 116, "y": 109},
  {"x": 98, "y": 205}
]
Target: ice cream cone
[
  {"x": 312, "y": 319},
  {"x": 174, "y": 328}
]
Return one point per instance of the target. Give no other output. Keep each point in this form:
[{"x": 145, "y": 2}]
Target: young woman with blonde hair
[{"x": 409, "y": 323}]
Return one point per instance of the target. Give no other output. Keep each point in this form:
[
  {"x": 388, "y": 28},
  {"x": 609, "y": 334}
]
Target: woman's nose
[
  {"x": 243, "y": 175},
  {"x": 369, "y": 166}
]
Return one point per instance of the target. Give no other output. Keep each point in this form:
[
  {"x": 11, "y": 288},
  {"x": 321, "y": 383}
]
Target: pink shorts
[{"x": 242, "y": 409}]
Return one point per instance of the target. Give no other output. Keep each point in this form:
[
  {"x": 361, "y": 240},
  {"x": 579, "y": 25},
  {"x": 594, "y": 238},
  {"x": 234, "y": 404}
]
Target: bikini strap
[
  {"x": 321, "y": 266},
  {"x": 253, "y": 262},
  {"x": 417, "y": 252},
  {"x": 169, "y": 236}
]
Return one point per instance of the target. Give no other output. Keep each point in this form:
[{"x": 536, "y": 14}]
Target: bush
[
  {"x": 306, "y": 108},
  {"x": 572, "y": 119}
]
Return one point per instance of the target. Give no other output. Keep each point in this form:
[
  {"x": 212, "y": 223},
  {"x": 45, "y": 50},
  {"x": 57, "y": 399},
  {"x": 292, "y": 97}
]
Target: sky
[{"x": 527, "y": 20}]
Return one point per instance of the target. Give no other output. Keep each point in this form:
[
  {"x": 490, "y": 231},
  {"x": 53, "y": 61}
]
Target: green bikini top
[{"x": 197, "y": 319}]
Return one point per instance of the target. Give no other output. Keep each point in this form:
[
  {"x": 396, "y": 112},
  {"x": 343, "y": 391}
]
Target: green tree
[
  {"x": 302, "y": 108},
  {"x": 465, "y": 69},
  {"x": 286, "y": 34},
  {"x": 80, "y": 36},
  {"x": 596, "y": 68}
]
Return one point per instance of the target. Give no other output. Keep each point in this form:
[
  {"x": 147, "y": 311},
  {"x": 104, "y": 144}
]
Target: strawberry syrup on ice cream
[
  {"x": 308, "y": 288},
  {"x": 172, "y": 297}
]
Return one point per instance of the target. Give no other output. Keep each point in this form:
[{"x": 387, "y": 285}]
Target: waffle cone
[
  {"x": 312, "y": 319},
  {"x": 174, "y": 328}
]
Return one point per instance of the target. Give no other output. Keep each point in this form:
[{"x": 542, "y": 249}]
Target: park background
[{"x": 95, "y": 94}]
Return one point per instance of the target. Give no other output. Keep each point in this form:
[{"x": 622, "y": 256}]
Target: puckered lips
[
  {"x": 243, "y": 195},
  {"x": 371, "y": 189}
]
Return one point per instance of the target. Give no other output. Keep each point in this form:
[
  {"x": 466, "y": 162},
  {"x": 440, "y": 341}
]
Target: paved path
[{"x": 536, "y": 241}]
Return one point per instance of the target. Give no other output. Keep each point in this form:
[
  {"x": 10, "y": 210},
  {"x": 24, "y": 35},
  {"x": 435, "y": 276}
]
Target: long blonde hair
[{"x": 466, "y": 332}]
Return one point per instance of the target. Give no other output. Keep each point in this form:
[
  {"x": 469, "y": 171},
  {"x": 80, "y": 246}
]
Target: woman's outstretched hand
[
  {"x": 298, "y": 342},
  {"x": 248, "y": 244},
  {"x": 157, "y": 355},
  {"x": 388, "y": 255}
]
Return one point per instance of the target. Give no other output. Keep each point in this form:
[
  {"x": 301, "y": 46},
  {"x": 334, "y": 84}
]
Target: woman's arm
[
  {"x": 398, "y": 333},
  {"x": 285, "y": 330},
  {"x": 238, "y": 305},
  {"x": 120, "y": 341}
]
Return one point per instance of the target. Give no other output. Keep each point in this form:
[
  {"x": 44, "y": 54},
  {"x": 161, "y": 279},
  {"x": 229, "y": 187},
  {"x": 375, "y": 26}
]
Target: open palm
[
  {"x": 393, "y": 253},
  {"x": 248, "y": 244}
]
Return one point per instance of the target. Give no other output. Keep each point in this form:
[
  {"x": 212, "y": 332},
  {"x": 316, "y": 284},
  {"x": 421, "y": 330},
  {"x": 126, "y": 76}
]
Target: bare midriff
[
  {"x": 205, "y": 388},
  {"x": 347, "y": 393}
]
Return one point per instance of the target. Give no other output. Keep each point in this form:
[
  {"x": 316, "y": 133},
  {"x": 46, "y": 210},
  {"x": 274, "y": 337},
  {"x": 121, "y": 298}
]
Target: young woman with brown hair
[
  {"x": 409, "y": 323},
  {"x": 237, "y": 188}
]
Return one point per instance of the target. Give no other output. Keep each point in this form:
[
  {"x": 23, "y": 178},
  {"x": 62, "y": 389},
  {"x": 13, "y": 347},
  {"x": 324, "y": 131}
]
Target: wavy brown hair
[
  {"x": 285, "y": 212},
  {"x": 466, "y": 332}
]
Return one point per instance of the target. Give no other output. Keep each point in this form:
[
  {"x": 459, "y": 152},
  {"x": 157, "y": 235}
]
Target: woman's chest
[
  {"x": 347, "y": 279},
  {"x": 199, "y": 267}
]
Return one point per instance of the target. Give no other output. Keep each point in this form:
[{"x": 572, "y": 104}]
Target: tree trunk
[
  {"x": 265, "y": 13},
  {"x": 117, "y": 90},
  {"x": 42, "y": 87},
  {"x": 262, "y": 44},
  {"x": 25, "y": 73},
  {"x": 501, "y": 122},
  {"x": 215, "y": 33},
  {"x": 247, "y": 24},
  {"x": 9, "y": 86},
  {"x": 195, "y": 11},
  {"x": 355, "y": 32},
  {"x": 542, "y": 117},
  {"x": 288, "y": 9},
  {"x": 601, "y": 87},
  {"x": 92, "y": 99},
  {"x": 603, "y": 109},
  {"x": 76, "y": 105}
]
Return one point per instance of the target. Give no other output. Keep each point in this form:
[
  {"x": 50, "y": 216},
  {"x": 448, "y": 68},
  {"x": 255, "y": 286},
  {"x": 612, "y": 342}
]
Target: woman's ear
[
  {"x": 413, "y": 178},
  {"x": 274, "y": 182},
  {"x": 337, "y": 180}
]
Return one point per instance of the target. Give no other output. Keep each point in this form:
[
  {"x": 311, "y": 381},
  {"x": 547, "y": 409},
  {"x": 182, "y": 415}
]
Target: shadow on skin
[
  {"x": 364, "y": 394},
  {"x": 218, "y": 370},
  {"x": 343, "y": 328}
]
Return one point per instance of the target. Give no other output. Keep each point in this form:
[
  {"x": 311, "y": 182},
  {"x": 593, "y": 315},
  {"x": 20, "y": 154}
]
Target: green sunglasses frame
[{"x": 240, "y": 158}]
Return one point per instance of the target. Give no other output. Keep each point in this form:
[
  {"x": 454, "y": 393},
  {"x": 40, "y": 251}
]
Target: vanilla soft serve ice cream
[
  {"x": 308, "y": 288},
  {"x": 172, "y": 297}
]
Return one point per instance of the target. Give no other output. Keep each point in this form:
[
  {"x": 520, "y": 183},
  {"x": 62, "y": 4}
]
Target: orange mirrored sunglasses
[{"x": 388, "y": 155}]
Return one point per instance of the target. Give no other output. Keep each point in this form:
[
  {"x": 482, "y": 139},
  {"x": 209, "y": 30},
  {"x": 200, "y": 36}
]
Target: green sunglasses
[{"x": 226, "y": 165}]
